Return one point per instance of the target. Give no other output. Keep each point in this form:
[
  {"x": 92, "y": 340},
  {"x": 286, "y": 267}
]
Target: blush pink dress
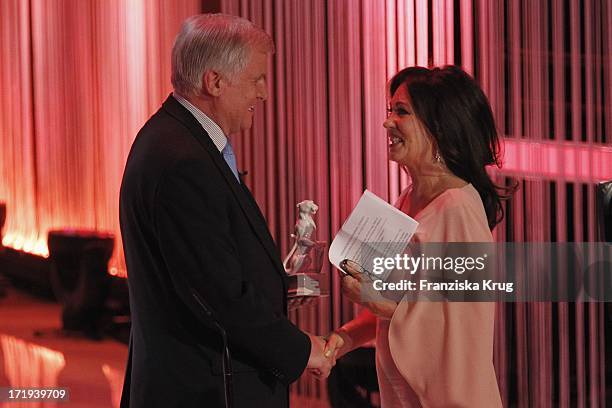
[{"x": 440, "y": 354}]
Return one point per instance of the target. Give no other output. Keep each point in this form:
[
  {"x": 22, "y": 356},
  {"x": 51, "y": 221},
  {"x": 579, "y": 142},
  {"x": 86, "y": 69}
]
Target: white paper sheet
[{"x": 374, "y": 229}]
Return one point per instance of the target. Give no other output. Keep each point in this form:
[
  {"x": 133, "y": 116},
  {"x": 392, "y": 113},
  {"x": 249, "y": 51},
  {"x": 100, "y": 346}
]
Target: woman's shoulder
[
  {"x": 456, "y": 215},
  {"x": 450, "y": 199},
  {"x": 465, "y": 197}
]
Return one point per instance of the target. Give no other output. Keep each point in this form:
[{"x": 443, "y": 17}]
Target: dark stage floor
[{"x": 92, "y": 370}]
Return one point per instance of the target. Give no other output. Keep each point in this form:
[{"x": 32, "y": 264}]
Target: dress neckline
[{"x": 422, "y": 210}]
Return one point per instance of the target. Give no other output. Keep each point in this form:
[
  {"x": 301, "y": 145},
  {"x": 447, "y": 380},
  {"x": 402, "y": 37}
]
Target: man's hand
[{"x": 318, "y": 364}]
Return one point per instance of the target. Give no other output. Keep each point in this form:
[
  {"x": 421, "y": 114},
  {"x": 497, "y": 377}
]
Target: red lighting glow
[
  {"x": 30, "y": 365},
  {"x": 560, "y": 161}
]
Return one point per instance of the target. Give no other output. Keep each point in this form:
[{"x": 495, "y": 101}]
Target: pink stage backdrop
[{"x": 78, "y": 79}]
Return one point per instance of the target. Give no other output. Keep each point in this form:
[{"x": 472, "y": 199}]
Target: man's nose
[{"x": 388, "y": 123}]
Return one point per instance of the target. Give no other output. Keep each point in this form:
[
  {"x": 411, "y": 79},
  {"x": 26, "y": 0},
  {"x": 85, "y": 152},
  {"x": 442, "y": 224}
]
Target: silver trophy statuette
[
  {"x": 298, "y": 259},
  {"x": 305, "y": 259}
]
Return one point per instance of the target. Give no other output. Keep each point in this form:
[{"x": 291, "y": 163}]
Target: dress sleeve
[{"x": 444, "y": 350}]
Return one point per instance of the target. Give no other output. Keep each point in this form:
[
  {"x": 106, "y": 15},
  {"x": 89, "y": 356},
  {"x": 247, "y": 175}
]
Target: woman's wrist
[{"x": 347, "y": 341}]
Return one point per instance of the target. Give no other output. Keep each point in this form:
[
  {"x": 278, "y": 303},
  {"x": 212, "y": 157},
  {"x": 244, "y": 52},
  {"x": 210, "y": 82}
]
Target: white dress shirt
[{"x": 209, "y": 125}]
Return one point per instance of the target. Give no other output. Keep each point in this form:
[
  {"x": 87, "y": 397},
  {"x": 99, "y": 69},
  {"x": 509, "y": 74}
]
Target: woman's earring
[{"x": 437, "y": 158}]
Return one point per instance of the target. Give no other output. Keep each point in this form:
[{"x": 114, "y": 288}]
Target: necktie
[{"x": 230, "y": 159}]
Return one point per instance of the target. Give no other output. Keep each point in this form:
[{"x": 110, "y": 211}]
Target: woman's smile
[{"x": 395, "y": 140}]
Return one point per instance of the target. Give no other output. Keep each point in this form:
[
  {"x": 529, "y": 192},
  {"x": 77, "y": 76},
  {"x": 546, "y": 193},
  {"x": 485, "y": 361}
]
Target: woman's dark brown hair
[{"x": 458, "y": 116}]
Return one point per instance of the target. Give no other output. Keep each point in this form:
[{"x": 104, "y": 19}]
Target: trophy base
[{"x": 308, "y": 284}]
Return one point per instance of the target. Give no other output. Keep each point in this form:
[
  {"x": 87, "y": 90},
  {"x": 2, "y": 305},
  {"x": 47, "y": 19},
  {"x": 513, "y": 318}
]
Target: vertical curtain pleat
[
  {"x": 466, "y": 14},
  {"x": 18, "y": 153},
  {"x": 345, "y": 126}
]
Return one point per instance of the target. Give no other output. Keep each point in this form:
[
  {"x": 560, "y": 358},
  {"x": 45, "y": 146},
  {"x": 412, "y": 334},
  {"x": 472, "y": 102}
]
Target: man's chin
[{"x": 247, "y": 125}]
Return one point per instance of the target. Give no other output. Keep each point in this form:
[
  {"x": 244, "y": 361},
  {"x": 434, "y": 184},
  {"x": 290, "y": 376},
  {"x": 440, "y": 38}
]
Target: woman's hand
[
  {"x": 358, "y": 287},
  {"x": 337, "y": 344}
]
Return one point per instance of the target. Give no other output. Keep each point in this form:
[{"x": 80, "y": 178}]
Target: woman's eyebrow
[{"x": 397, "y": 103}]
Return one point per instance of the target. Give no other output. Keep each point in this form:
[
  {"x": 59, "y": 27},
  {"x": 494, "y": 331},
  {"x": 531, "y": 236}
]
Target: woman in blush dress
[{"x": 435, "y": 354}]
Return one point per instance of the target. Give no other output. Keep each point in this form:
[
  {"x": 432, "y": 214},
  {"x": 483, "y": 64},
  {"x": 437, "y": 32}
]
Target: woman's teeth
[{"x": 395, "y": 140}]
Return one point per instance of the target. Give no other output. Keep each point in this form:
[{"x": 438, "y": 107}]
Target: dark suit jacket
[{"x": 192, "y": 233}]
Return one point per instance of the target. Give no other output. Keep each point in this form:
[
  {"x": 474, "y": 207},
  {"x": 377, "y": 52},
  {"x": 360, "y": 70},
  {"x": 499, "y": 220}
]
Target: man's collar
[{"x": 210, "y": 126}]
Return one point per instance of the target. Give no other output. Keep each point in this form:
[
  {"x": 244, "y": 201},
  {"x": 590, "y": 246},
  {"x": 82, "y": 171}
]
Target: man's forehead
[{"x": 258, "y": 57}]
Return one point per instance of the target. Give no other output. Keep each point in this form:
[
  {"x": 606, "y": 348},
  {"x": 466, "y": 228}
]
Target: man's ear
[{"x": 212, "y": 83}]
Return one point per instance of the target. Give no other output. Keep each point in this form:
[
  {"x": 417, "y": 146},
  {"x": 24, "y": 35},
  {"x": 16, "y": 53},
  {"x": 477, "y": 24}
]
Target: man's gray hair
[{"x": 218, "y": 42}]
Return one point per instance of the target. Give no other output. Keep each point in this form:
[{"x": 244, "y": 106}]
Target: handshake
[{"x": 324, "y": 352}]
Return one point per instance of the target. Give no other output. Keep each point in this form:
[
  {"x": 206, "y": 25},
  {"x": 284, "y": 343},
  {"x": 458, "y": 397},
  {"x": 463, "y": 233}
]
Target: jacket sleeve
[{"x": 193, "y": 229}]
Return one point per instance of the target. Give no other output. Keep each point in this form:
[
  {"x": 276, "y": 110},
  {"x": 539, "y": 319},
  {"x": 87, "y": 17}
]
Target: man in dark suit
[{"x": 198, "y": 251}]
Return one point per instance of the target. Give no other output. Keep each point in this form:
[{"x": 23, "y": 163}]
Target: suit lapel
[
  {"x": 265, "y": 231},
  {"x": 240, "y": 191}
]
